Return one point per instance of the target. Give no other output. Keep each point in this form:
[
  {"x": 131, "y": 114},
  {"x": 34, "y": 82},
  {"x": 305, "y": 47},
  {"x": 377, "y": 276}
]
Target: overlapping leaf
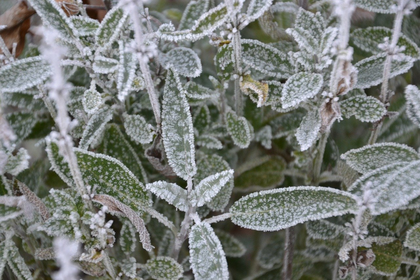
[
  {"x": 239, "y": 129},
  {"x": 111, "y": 26},
  {"x": 164, "y": 268},
  {"x": 300, "y": 87},
  {"x": 170, "y": 192},
  {"x": 412, "y": 94},
  {"x": 364, "y": 108},
  {"x": 184, "y": 61}
]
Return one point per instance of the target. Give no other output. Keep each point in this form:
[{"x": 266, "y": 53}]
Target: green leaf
[
  {"x": 209, "y": 187},
  {"x": 412, "y": 94},
  {"x": 239, "y": 129},
  {"x": 184, "y": 61},
  {"x": 95, "y": 127},
  {"x": 8, "y": 212},
  {"x": 271, "y": 253},
  {"x": 371, "y": 157},
  {"x": 224, "y": 62},
  {"x": 197, "y": 91},
  {"x": 18, "y": 265},
  {"x": 364, "y": 108},
  {"x": 126, "y": 71},
  {"x": 371, "y": 69},
  {"x": 323, "y": 229},
  {"x": 85, "y": 26},
  {"x": 164, "y": 268},
  {"x": 277, "y": 209},
  {"x": 108, "y": 174},
  {"x": 388, "y": 257},
  {"x": 209, "y": 142},
  {"x": 17, "y": 163},
  {"x": 211, "y": 20},
  {"x": 21, "y": 123},
  {"x": 177, "y": 128},
  {"x": 211, "y": 164},
  {"x": 4, "y": 252},
  {"x": 267, "y": 174},
  {"x": 256, "y": 8},
  {"x": 207, "y": 257},
  {"x": 266, "y": 59},
  {"x": 22, "y": 100},
  {"x": 116, "y": 146},
  {"x": 138, "y": 129},
  {"x": 300, "y": 87},
  {"x": 369, "y": 38},
  {"x": 91, "y": 100},
  {"x": 128, "y": 237},
  {"x": 170, "y": 192},
  {"x": 54, "y": 17},
  {"x": 308, "y": 130},
  {"x": 313, "y": 23},
  {"x": 111, "y": 27},
  {"x": 23, "y": 74},
  {"x": 376, "y": 6},
  {"x": 231, "y": 246},
  {"x": 412, "y": 239},
  {"x": 104, "y": 65},
  {"x": 192, "y": 12},
  {"x": 202, "y": 119}
]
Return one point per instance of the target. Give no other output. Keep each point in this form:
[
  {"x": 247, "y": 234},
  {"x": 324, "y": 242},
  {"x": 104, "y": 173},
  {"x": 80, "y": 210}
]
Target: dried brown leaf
[{"x": 35, "y": 201}]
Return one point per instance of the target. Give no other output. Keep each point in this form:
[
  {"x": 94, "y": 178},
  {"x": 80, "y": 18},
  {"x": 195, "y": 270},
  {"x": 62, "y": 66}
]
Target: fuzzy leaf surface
[
  {"x": 192, "y": 12},
  {"x": 184, "y": 61},
  {"x": 239, "y": 129},
  {"x": 307, "y": 132},
  {"x": 412, "y": 239},
  {"x": 364, "y": 108},
  {"x": 268, "y": 174},
  {"x": 138, "y": 129},
  {"x": 300, "y": 87},
  {"x": 170, "y": 192},
  {"x": 111, "y": 26},
  {"x": 231, "y": 245},
  {"x": 95, "y": 126},
  {"x": 105, "y": 65},
  {"x": 84, "y": 25},
  {"x": 376, "y": 6},
  {"x": 412, "y": 94},
  {"x": 165, "y": 268}
]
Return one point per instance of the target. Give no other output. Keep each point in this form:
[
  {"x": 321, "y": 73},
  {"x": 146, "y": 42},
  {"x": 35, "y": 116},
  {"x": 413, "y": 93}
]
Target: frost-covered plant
[{"x": 168, "y": 129}]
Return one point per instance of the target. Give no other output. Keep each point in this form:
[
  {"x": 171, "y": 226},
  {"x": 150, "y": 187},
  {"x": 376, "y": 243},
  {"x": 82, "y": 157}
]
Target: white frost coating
[
  {"x": 184, "y": 61},
  {"x": 239, "y": 129},
  {"x": 371, "y": 157},
  {"x": 18, "y": 163},
  {"x": 65, "y": 250},
  {"x": 84, "y": 25},
  {"x": 364, "y": 108},
  {"x": 308, "y": 130},
  {"x": 197, "y": 91},
  {"x": 300, "y": 87},
  {"x": 277, "y": 209},
  {"x": 170, "y": 192},
  {"x": 311, "y": 22},
  {"x": 163, "y": 267},
  {"x": 192, "y": 12},
  {"x": 110, "y": 27},
  {"x": 208, "y": 141},
  {"x": 177, "y": 128},
  {"x": 23, "y": 74},
  {"x": 266, "y": 59},
  {"x": 126, "y": 71},
  {"x": 377, "y": 6},
  {"x": 138, "y": 129},
  {"x": 91, "y": 100},
  {"x": 412, "y": 239},
  {"x": 264, "y": 136},
  {"x": 209, "y": 187},
  {"x": 256, "y": 8},
  {"x": 104, "y": 65},
  {"x": 128, "y": 237},
  {"x": 346, "y": 248},
  {"x": 304, "y": 39},
  {"x": 412, "y": 94},
  {"x": 96, "y": 126},
  {"x": 370, "y": 70},
  {"x": 207, "y": 257},
  {"x": 323, "y": 229}
]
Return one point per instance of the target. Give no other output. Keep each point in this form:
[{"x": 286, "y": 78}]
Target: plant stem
[
  {"x": 288, "y": 253},
  {"x": 218, "y": 218}
]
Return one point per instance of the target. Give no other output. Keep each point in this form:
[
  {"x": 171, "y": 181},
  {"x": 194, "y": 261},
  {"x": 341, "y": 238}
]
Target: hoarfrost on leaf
[
  {"x": 300, "y": 87},
  {"x": 85, "y": 26},
  {"x": 111, "y": 27},
  {"x": 412, "y": 94},
  {"x": 177, "y": 128},
  {"x": 91, "y": 100},
  {"x": 371, "y": 157},
  {"x": 197, "y": 91},
  {"x": 138, "y": 129},
  {"x": 239, "y": 129},
  {"x": 277, "y": 209},
  {"x": 412, "y": 239},
  {"x": 18, "y": 265},
  {"x": 164, "y": 268},
  {"x": 170, "y": 192},
  {"x": 192, "y": 13},
  {"x": 323, "y": 229},
  {"x": 95, "y": 126},
  {"x": 126, "y": 71},
  {"x": 308, "y": 130},
  {"x": 364, "y": 108},
  {"x": 104, "y": 65},
  {"x": 128, "y": 238},
  {"x": 208, "y": 141},
  {"x": 184, "y": 61},
  {"x": 256, "y": 9},
  {"x": 17, "y": 163},
  {"x": 207, "y": 257},
  {"x": 377, "y": 6},
  {"x": 209, "y": 187}
]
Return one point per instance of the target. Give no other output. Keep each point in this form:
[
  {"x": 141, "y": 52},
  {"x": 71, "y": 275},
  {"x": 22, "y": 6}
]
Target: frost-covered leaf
[
  {"x": 17, "y": 264},
  {"x": 313, "y": 23},
  {"x": 197, "y": 91},
  {"x": 239, "y": 129},
  {"x": 177, "y": 128},
  {"x": 84, "y": 25},
  {"x": 304, "y": 39},
  {"x": 266, "y": 59},
  {"x": 211, "y": 20},
  {"x": 107, "y": 174},
  {"x": 126, "y": 71},
  {"x": 371, "y": 157},
  {"x": 211, "y": 164},
  {"x": 323, "y": 229},
  {"x": 308, "y": 130},
  {"x": 18, "y": 162},
  {"x": 377, "y": 6},
  {"x": 8, "y": 212},
  {"x": 364, "y": 108},
  {"x": 300, "y": 87},
  {"x": 231, "y": 246},
  {"x": 192, "y": 12},
  {"x": 138, "y": 129},
  {"x": 224, "y": 62},
  {"x": 370, "y": 70},
  {"x": 4, "y": 252},
  {"x": 287, "y": 123},
  {"x": 95, "y": 126},
  {"x": 111, "y": 27},
  {"x": 207, "y": 257},
  {"x": 129, "y": 267},
  {"x": 412, "y": 94},
  {"x": 116, "y": 146},
  {"x": 104, "y": 65},
  {"x": 387, "y": 257},
  {"x": 277, "y": 209},
  {"x": 21, "y": 124},
  {"x": 264, "y": 136},
  {"x": 209, "y": 187},
  {"x": 91, "y": 100},
  {"x": 170, "y": 192},
  {"x": 257, "y": 91},
  {"x": 22, "y": 100},
  {"x": 412, "y": 240},
  {"x": 272, "y": 253},
  {"x": 184, "y": 61},
  {"x": 128, "y": 238},
  {"x": 369, "y": 38},
  {"x": 164, "y": 268},
  {"x": 256, "y": 8},
  {"x": 54, "y": 17},
  {"x": 267, "y": 174},
  {"x": 209, "y": 142},
  {"x": 23, "y": 74}
]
